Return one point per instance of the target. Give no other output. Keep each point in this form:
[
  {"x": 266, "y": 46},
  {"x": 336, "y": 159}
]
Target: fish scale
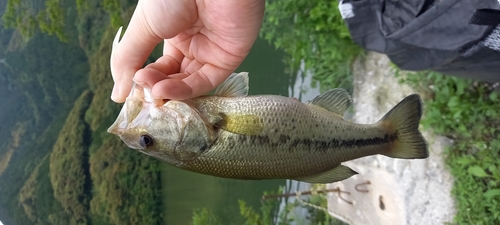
[
  {"x": 269, "y": 155},
  {"x": 237, "y": 136}
]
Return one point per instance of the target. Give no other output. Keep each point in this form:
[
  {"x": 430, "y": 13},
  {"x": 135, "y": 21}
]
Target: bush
[
  {"x": 314, "y": 33},
  {"x": 468, "y": 112},
  {"x": 69, "y": 173}
]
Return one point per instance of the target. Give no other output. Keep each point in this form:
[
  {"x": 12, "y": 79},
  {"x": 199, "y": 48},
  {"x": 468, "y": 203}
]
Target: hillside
[{"x": 58, "y": 165}]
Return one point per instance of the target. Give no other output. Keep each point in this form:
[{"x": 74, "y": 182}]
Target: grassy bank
[{"x": 467, "y": 111}]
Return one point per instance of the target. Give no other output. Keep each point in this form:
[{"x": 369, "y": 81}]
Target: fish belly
[{"x": 295, "y": 140}]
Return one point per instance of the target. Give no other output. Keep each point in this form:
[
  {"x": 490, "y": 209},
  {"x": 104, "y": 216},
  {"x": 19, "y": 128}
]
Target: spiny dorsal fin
[
  {"x": 235, "y": 85},
  {"x": 335, "y": 100},
  {"x": 336, "y": 174}
]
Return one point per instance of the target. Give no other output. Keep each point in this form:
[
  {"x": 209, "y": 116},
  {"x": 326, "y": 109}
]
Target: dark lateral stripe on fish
[{"x": 315, "y": 144}]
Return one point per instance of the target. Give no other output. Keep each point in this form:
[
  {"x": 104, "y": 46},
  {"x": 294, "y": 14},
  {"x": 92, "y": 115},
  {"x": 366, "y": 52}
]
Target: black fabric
[
  {"x": 485, "y": 17},
  {"x": 426, "y": 35}
]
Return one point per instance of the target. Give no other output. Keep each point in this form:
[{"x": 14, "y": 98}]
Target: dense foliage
[
  {"x": 59, "y": 164},
  {"x": 47, "y": 177},
  {"x": 69, "y": 170},
  {"x": 271, "y": 213},
  {"x": 28, "y": 16},
  {"x": 314, "y": 33},
  {"x": 468, "y": 112},
  {"x": 37, "y": 199},
  {"x": 465, "y": 110}
]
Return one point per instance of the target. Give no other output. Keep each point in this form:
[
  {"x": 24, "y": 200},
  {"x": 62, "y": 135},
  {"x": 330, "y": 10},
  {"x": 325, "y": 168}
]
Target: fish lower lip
[{"x": 116, "y": 130}]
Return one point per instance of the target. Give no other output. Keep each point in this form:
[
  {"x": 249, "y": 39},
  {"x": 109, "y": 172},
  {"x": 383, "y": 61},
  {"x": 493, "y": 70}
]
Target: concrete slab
[{"x": 403, "y": 192}]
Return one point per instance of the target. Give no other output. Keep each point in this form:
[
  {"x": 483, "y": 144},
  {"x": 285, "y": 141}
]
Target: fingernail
[
  {"x": 142, "y": 84},
  {"x": 115, "y": 93}
]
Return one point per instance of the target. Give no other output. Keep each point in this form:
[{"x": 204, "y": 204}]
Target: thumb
[{"x": 152, "y": 21}]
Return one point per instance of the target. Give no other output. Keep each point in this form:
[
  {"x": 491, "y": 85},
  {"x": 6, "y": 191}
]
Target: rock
[{"x": 401, "y": 192}]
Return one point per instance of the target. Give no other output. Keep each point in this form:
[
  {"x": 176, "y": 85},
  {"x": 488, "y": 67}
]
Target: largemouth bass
[{"x": 232, "y": 135}]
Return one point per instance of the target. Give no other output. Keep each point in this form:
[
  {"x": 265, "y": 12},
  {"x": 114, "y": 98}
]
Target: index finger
[{"x": 186, "y": 86}]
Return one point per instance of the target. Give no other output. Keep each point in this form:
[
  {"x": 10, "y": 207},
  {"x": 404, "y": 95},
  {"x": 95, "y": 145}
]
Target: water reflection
[
  {"x": 303, "y": 87},
  {"x": 185, "y": 191}
]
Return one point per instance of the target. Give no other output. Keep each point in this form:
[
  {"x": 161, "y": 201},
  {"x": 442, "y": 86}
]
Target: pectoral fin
[
  {"x": 246, "y": 124},
  {"x": 336, "y": 174}
]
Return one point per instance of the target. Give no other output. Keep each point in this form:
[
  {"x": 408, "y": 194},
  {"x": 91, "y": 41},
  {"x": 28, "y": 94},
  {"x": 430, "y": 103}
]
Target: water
[{"x": 185, "y": 191}]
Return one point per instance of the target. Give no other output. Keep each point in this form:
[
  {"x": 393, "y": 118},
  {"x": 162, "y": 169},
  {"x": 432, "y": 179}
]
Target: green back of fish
[{"x": 261, "y": 137}]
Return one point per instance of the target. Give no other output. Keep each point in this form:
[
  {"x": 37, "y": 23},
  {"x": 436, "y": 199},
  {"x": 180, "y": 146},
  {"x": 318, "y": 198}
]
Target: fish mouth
[
  {"x": 119, "y": 126},
  {"x": 132, "y": 109},
  {"x": 116, "y": 130}
]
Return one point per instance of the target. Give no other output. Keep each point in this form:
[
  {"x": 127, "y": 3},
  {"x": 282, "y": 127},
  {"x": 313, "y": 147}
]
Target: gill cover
[
  {"x": 174, "y": 131},
  {"x": 195, "y": 136}
]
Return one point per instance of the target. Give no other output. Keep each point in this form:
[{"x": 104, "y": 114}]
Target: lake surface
[{"x": 185, "y": 191}]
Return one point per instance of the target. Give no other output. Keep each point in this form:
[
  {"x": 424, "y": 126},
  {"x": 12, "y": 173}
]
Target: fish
[{"x": 233, "y": 135}]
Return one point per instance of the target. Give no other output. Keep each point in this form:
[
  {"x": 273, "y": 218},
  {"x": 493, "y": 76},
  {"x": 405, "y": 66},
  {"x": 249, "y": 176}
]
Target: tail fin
[{"x": 403, "y": 121}]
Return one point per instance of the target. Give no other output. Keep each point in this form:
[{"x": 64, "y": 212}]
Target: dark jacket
[{"x": 426, "y": 35}]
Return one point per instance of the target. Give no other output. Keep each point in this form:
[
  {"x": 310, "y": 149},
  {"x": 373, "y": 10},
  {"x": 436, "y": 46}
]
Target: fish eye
[
  {"x": 146, "y": 141},
  {"x": 203, "y": 147}
]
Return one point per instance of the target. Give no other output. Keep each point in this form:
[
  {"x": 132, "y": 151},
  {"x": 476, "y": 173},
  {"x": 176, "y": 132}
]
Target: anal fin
[{"x": 336, "y": 174}]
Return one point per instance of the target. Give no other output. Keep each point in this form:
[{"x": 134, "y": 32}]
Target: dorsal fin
[
  {"x": 335, "y": 100},
  {"x": 235, "y": 85}
]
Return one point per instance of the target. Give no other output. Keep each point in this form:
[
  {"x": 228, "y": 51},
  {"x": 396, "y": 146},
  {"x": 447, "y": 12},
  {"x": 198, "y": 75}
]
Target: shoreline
[{"x": 400, "y": 191}]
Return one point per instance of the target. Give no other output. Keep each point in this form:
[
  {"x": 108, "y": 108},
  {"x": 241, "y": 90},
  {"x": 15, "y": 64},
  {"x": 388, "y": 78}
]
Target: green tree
[
  {"x": 69, "y": 172},
  {"x": 313, "y": 32},
  {"x": 204, "y": 217},
  {"x": 27, "y": 16}
]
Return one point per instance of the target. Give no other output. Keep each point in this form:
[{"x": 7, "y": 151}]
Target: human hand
[{"x": 204, "y": 42}]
